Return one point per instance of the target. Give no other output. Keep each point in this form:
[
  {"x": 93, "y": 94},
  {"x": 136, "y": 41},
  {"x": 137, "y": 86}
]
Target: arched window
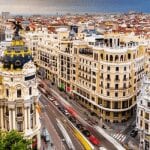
[
  {"x": 106, "y": 57},
  {"x": 111, "y": 58},
  {"x": 18, "y": 92},
  {"x": 129, "y": 56},
  {"x": 116, "y": 58},
  {"x": 121, "y": 58},
  {"x": 101, "y": 56}
]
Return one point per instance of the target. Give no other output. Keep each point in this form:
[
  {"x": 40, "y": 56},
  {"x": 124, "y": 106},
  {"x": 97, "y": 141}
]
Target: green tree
[{"x": 14, "y": 140}]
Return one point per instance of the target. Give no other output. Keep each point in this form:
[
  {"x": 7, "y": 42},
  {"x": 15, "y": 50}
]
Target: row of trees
[{"x": 14, "y": 140}]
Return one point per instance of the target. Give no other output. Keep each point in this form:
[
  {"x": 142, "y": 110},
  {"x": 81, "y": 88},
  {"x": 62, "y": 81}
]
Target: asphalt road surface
[{"x": 54, "y": 113}]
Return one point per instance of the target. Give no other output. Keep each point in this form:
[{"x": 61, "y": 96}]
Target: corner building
[
  {"x": 107, "y": 76},
  {"x": 18, "y": 92}
]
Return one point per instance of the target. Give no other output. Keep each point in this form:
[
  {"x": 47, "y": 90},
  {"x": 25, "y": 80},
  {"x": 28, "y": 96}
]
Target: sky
[{"x": 53, "y": 6}]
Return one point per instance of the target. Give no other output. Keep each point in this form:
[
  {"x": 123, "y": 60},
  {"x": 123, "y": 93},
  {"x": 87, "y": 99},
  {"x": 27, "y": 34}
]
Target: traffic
[{"x": 71, "y": 114}]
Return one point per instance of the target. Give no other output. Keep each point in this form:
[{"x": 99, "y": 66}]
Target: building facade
[
  {"x": 143, "y": 113},
  {"x": 18, "y": 92},
  {"x": 102, "y": 72}
]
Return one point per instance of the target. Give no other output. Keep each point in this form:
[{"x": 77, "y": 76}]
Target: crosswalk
[{"x": 118, "y": 136}]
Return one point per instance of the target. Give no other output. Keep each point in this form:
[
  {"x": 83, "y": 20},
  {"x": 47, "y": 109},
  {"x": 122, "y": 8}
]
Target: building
[
  {"x": 102, "y": 72},
  {"x": 18, "y": 92},
  {"x": 143, "y": 113}
]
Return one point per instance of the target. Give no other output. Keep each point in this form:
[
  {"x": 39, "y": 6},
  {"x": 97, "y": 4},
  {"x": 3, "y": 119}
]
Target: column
[
  {"x": 29, "y": 118},
  {"x": 25, "y": 119},
  {"x": 38, "y": 141},
  {"x": 14, "y": 117},
  {"x": 2, "y": 117},
  {"x": 10, "y": 120}
]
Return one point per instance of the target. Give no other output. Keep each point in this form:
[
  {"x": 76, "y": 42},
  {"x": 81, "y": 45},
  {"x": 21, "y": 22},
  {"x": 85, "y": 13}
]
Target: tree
[{"x": 14, "y": 140}]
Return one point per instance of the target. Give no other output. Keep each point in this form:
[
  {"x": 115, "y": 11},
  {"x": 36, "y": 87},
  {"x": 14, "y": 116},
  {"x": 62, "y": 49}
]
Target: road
[
  {"x": 104, "y": 142},
  {"x": 54, "y": 113}
]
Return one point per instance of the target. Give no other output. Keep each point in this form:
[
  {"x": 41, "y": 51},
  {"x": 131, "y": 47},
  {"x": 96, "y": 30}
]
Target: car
[
  {"x": 94, "y": 140},
  {"x": 79, "y": 126},
  {"x": 72, "y": 119},
  {"x": 102, "y": 148},
  {"x": 61, "y": 108},
  {"x": 56, "y": 103},
  {"x": 134, "y": 133},
  {"x": 51, "y": 98},
  {"x": 66, "y": 112},
  {"x": 86, "y": 133}
]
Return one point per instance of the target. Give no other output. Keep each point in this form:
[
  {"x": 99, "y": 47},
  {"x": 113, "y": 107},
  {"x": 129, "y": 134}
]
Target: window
[
  {"x": 117, "y": 68},
  {"x": 116, "y": 86},
  {"x": 93, "y": 88},
  {"x": 125, "y": 68},
  {"x": 116, "y": 77},
  {"x": 20, "y": 126},
  {"x": 124, "y": 85},
  {"x": 18, "y": 92},
  {"x": 124, "y": 93},
  {"x": 19, "y": 111},
  {"x": 95, "y": 56},
  {"x": 108, "y": 68},
  {"x": 115, "y": 105},
  {"x": 147, "y": 116},
  {"x": 108, "y": 85},
  {"x": 107, "y": 93},
  {"x": 107, "y": 113},
  {"x": 30, "y": 90},
  {"x": 115, "y": 114},
  {"x": 7, "y": 92},
  {"x": 141, "y": 113},
  {"x": 116, "y": 94},
  {"x": 148, "y": 104},
  {"x": 108, "y": 77},
  {"x": 146, "y": 126},
  {"x": 101, "y": 66},
  {"x": 129, "y": 56},
  {"x": 101, "y": 91}
]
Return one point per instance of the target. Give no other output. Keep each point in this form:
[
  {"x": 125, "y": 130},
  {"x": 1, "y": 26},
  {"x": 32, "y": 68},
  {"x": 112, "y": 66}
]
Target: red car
[{"x": 94, "y": 140}]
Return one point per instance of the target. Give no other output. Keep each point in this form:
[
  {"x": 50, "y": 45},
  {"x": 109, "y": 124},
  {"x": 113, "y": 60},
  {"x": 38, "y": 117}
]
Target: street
[
  {"x": 53, "y": 113},
  {"x": 104, "y": 142}
]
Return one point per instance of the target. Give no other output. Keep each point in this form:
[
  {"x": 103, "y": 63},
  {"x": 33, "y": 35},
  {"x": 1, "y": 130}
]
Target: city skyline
[{"x": 72, "y": 6}]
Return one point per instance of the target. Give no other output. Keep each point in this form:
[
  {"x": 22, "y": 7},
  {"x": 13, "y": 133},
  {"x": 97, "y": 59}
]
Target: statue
[{"x": 17, "y": 27}]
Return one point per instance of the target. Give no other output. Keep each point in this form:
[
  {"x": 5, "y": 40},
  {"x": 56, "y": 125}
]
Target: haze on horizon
[{"x": 63, "y": 6}]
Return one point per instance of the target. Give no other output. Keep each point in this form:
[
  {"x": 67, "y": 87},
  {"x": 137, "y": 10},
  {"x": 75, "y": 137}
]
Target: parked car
[{"x": 134, "y": 133}]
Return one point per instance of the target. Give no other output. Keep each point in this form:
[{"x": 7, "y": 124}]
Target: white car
[
  {"x": 56, "y": 103},
  {"x": 102, "y": 148},
  {"x": 51, "y": 98}
]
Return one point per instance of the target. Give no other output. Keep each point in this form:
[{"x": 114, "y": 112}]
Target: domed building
[{"x": 19, "y": 93}]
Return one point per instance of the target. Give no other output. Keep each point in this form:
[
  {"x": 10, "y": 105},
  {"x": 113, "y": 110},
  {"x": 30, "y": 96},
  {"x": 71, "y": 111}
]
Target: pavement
[{"x": 120, "y": 131}]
